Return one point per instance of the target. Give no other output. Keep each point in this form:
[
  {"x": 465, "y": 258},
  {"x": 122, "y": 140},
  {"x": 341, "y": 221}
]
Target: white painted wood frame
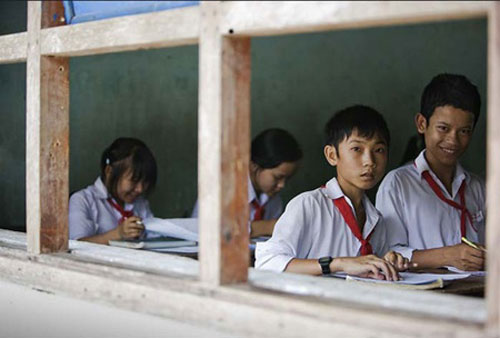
[
  {"x": 175, "y": 27},
  {"x": 493, "y": 172},
  {"x": 223, "y": 159},
  {"x": 223, "y": 156},
  {"x": 13, "y": 47},
  {"x": 47, "y": 140},
  {"x": 260, "y": 18}
]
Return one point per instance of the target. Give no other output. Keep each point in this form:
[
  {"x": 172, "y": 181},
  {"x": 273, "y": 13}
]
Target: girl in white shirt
[
  {"x": 114, "y": 206},
  {"x": 275, "y": 156}
]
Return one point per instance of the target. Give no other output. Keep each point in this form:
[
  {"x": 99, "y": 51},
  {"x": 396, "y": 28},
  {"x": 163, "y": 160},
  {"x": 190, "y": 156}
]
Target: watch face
[{"x": 325, "y": 260}]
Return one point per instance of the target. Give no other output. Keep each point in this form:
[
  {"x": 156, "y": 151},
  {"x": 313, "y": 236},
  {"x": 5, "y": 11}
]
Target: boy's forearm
[
  {"x": 312, "y": 267},
  {"x": 262, "y": 228},
  {"x": 304, "y": 266},
  {"x": 103, "y": 238},
  {"x": 431, "y": 258}
]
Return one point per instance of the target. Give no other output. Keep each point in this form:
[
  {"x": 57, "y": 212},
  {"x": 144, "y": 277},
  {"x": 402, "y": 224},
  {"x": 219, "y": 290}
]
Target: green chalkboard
[{"x": 298, "y": 81}]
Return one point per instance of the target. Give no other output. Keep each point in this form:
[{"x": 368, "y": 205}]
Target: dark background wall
[{"x": 298, "y": 82}]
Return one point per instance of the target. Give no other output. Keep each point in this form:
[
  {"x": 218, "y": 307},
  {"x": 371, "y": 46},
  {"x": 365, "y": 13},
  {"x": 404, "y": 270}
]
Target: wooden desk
[{"x": 471, "y": 286}]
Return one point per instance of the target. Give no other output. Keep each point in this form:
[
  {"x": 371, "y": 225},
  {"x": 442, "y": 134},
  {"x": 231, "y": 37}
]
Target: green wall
[
  {"x": 298, "y": 82},
  {"x": 12, "y": 124}
]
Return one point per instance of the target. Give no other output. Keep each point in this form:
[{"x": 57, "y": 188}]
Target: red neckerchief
[
  {"x": 347, "y": 214},
  {"x": 346, "y": 211},
  {"x": 125, "y": 214},
  {"x": 464, "y": 213},
  {"x": 259, "y": 210}
]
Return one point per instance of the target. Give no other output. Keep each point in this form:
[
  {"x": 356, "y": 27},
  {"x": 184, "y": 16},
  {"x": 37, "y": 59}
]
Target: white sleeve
[
  {"x": 481, "y": 197},
  {"x": 288, "y": 235},
  {"x": 144, "y": 211},
  {"x": 275, "y": 206},
  {"x": 391, "y": 205},
  {"x": 379, "y": 239},
  {"x": 194, "y": 214},
  {"x": 80, "y": 217}
]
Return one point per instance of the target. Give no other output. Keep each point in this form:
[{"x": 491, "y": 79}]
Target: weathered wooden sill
[{"x": 167, "y": 285}]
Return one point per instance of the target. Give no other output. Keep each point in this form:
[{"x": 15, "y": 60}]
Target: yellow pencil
[{"x": 469, "y": 243}]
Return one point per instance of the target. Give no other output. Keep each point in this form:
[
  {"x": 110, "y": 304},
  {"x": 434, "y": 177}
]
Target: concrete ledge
[{"x": 270, "y": 305}]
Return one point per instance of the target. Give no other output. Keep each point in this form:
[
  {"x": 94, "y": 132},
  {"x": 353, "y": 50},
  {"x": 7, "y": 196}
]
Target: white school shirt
[
  {"x": 416, "y": 218},
  {"x": 91, "y": 214},
  {"x": 313, "y": 227},
  {"x": 272, "y": 209}
]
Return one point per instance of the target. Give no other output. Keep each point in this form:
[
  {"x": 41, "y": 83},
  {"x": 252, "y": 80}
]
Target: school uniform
[
  {"x": 417, "y": 218},
  {"x": 312, "y": 226},
  {"x": 90, "y": 212},
  {"x": 270, "y": 207}
]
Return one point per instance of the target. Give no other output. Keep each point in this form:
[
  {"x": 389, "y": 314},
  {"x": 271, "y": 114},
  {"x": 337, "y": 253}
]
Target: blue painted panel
[{"x": 82, "y": 11}]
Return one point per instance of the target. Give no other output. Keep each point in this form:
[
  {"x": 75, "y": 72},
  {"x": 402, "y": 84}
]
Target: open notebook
[
  {"x": 410, "y": 280},
  {"x": 153, "y": 243}
]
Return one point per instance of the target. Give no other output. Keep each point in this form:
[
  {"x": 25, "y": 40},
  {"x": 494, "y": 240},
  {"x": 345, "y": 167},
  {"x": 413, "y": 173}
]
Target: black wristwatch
[{"x": 325, "y": 264}]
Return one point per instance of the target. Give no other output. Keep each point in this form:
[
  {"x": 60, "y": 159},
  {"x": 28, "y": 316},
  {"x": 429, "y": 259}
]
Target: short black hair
[
  {"x": 365, "y": 120},
  {"x": 450, "y": 89},
  {"x": 127, "y": 153},
  {"x": 274, "y": 146}
]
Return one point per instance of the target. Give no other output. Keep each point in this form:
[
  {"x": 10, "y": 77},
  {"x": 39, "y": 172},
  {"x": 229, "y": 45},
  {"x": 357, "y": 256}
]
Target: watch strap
[{"x": 324, "y": 262}]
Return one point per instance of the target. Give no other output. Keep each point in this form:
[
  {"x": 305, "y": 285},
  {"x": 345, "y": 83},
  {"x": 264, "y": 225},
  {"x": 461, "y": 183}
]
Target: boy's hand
[
  {"x": 369, "y": 266},
  {"x": 465, "y": 257},
  {"x": 130, "y": 228},
  {"x": 399, "y": 262}
]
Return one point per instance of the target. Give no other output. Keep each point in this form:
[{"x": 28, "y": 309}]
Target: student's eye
[
  {"x": 380, "y": 150},
  {"x": 466, "y": 131},
  {"x": 356, "y": 149},
  {"x": 442, "y": 128}
]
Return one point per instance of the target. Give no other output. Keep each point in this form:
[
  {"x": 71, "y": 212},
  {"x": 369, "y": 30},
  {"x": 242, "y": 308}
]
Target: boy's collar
[
  {"x": 422, "y": 165},
  {"x": 261, "y": 199},
  {"x": 332, "y": 190}
]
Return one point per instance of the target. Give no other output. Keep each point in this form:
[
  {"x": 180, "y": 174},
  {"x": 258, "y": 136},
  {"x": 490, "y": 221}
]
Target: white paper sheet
[
  {"x": 408, "y": 278},
  {"x": 472, "y": 273},
  {"x": 185, "y": 228},
  {"x": 182, "y": 249}
]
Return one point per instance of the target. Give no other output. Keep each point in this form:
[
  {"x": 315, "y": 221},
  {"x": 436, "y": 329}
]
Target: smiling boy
[
  {"x": 431, "y": 203},
  {"x": 335, "y": 228}
]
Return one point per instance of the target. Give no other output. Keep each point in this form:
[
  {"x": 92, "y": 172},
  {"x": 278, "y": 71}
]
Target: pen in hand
[{"x": 473, "y": 245}]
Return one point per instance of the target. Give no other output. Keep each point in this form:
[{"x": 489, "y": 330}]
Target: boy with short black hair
[
  {"x": 430, "y": 204},
  {"x": 338, "y": 220}
]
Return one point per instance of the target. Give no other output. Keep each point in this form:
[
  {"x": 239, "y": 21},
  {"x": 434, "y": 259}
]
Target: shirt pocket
[
  {"x": 478, "y": 221},
  {"x": 477, "y": 217}
]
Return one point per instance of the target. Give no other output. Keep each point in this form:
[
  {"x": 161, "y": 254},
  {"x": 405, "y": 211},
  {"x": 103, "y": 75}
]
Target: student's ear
[
  {"x": 107, "y": 172},
  {"x": 331, "y": 155},
  {"x": 421, "y": 123},
  {"x": 253, "y": 167}
]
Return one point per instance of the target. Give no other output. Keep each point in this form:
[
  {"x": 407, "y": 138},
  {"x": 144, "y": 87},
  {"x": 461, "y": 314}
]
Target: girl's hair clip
[{"x": 107, "y": 161}]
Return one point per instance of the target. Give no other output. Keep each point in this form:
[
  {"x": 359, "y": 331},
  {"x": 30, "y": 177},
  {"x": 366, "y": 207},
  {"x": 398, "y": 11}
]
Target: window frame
[{"x": 223, "y": 31}]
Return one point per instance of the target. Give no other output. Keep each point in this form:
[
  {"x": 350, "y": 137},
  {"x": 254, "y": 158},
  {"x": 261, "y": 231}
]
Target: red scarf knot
[
  {"x": 125, "y": 213},
  {"x": 259, "y": 210}
]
